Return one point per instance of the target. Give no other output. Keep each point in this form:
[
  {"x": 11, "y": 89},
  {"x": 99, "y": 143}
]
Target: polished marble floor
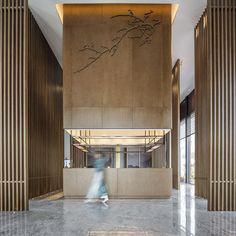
[{"x": 183, "y": 214}]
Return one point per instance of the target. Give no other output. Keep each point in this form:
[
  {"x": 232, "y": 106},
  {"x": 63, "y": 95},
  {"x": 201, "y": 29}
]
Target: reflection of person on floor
[{"x": 98, "y": 187}]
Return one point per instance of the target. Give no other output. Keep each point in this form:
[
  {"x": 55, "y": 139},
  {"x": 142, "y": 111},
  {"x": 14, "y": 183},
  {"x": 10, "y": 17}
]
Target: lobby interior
[{"x": 150, "y": 85}]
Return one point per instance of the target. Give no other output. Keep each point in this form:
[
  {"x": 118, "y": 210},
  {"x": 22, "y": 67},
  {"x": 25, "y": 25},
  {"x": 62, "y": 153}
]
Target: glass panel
[
  {"x": 182, "y": 129},
  {"x": 122, "y": 157},
  {"x": 90, "y": 160},
  {"x": 67, "y": 154},
  {"x": 191, "y": 159},
  {"x": 145, "y": 158},
  {"x": 133, "y": 157},
  {"x": 191, "y": 124},
  {"x": 183, "y": 160},
  {"x": 108, "y": 153}
]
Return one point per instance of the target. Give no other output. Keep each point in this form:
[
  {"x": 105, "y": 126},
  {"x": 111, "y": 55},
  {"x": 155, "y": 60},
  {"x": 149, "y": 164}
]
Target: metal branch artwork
[{"x": 137, "y": 28}]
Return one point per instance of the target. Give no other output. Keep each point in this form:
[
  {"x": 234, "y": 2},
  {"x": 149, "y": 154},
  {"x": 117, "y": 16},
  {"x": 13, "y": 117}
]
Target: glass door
[
  {"x": 187, "y": 149},
  {"x": 191, "y": 150},
  {"x": 183, "y": 151}
]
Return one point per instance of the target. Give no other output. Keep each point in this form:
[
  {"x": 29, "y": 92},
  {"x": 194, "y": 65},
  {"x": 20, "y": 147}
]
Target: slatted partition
[
  {"x": 77, "y": 157},
  {"x": 202, "y": 112},
  {"x": 13, "y": 105},
  {"x": 176, "y": 124},
  {"x": 216, "y": 45},
  {"x": 45, "y": 115}
]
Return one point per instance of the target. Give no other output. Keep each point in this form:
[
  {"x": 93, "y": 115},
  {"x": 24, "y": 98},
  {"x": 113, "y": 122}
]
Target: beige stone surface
[
  {"x": 87, "y": 117},
  {"x": 117, "y": 117},
  {"x": 121, "y": 183}
]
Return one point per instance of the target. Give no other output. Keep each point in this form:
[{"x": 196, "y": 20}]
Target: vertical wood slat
[
  {"x": 25, "y": 102},
  {"x": 45, "y": 110},
  {"x": 8, "y": 159},
  {"x": 20, "y": 110},
  {"x": 1, "y": 108},
  {"x": 12, "y": 136},
  {"x": 4, "y": 104},
  {"x": 13, "y": 94},
  {"x": 218, "y": 97},
  {"x": 201, "y": 108},
  {"x": 234, "y": 104},
  {"x": 176, "y": 123},
  {"x": 220, "y": 76},
  {"x": 16, "y": 105},
  {"x": 226, "y": 104},
  {"x": 230, "y": 157},
  {"x": 77, "y": 156},
  {"x": 210, "y": 72}
]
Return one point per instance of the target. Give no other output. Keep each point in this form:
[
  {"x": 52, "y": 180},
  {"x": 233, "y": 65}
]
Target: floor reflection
[
  {"x": 186, "y": 202},
  {"x": 183, "y": 214}
]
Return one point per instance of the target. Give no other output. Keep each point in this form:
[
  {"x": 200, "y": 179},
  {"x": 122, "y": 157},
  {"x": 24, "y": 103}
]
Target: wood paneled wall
[
  {"x": 13, "y": 105},
  {"x": 216, "y": 100},
  {"x": 159, "y": 157},
  {"x": 46, "y": 135},
  {"x": 175, "y": 124},
  {"x": 31, "y": 123},
  {"x": 130, "y": 89}
]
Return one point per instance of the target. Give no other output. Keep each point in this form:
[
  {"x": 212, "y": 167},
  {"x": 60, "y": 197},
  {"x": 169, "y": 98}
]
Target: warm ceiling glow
[
  {"x": 112, "y": 137},
  {"x": 59, "y": 8},
  {"x": 174, "y": 9}
]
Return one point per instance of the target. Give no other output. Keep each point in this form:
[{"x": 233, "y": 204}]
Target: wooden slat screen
[
  {"x": 216, "y": 87},
  {"x": 45, "y": 108},
  {"x": 77, "y": 157},
  {"x": 176, "y": 124},
  {"x": 13, "y": 105},
  {"x": 202, "y": 111}
]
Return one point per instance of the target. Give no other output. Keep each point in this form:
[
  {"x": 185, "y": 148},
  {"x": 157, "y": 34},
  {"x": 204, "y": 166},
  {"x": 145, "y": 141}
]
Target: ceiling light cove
[{"x": 174, "y": 10}]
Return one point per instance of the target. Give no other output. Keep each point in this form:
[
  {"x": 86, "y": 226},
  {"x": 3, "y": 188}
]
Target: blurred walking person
[{"x": 98, "y": 187}]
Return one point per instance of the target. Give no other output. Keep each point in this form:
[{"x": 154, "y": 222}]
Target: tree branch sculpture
[{"x": 137, "y": 28}]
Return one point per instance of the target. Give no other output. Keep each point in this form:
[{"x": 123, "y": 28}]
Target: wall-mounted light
[
  {"x": 59, "y": 8},
  {"x": 204, "y": 21},
  {"x": 197, "y": 32}
]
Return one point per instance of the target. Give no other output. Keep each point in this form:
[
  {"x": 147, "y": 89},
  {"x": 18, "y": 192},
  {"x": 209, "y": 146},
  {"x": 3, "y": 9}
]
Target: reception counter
[{"x": 121, "y": 183}]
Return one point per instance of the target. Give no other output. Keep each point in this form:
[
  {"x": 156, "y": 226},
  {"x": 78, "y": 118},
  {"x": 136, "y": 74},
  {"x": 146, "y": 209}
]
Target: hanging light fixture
[
  {"x": 153, "y": 148},
  {"x": 82, "y": 148}
]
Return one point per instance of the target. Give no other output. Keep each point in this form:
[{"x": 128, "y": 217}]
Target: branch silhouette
[{"x": 137, "y": 28}]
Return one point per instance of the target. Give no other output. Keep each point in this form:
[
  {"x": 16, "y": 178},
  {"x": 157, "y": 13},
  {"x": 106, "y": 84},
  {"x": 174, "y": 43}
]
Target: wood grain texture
[
  {"x": 77, "y": 156},
  {"x": 45, "y": 115},
  {"x": 13, "y": 104},
  {"x": 175, "y": 124},
  {"x": 202, "y": 111},
  {"x": 121, "y": 182},
  {"x": 159, "y": 157},
  {"x": 31, "y": 110},
  {"x": 131, "y": 89},
  {"x": 215, "y": 105}
]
